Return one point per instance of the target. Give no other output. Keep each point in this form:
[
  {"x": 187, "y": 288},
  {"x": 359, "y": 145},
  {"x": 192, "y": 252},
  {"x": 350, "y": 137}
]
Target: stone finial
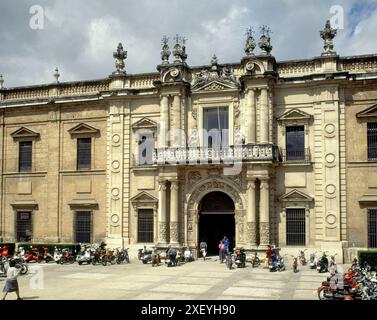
[
  {"x": 120, "y": 55},
  {"x": 265, "y": 41},
  {"x": 250, "y": 43},
  {"x": 56, "y": 75},
  {"x": 1, "y": 81},
  {"x": 214, "y": 62},
  {"x": 328, "y": 34},
  {"x": 165, "y": 52},
  {"x": 179, "y": 50}
]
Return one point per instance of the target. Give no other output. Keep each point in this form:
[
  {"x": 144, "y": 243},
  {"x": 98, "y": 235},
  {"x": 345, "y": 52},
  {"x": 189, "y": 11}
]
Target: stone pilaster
[
  {"x": 251, "y": 235},
  {"x": 264, "y": 221},
  {"x": 251, "y": 128},
  {"x": 174, "y": 208},
  {"x": 176, "y": 119},
  {"x": 264, "y": 116},
  {"x": 162, "y": 224},
  {"x": 164, "y": 121}
]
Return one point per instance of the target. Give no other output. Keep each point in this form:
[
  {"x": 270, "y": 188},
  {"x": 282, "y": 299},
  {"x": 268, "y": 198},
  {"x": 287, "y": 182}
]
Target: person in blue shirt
[{"x": 226, "y": 244}]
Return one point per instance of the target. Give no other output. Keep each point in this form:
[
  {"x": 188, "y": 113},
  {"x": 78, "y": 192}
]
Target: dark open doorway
[{"x": 216, "y": 220}]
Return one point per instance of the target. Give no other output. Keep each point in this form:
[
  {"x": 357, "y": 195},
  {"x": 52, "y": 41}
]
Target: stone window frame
[
  {"x": 142, "y": 126},
  {"x": 26, "y": 206},
  {"x": 229, "y": 104},
  {"x": 24, "y": 134},
  {"x": 83, "y": 130},
  {"x": 303, "y": 119},
  {"x": 365, "y": 116},
  {"x": 289, "y": 202},
  {"x": 139, "y": 203},
  {"x": 74, "y": 210}
]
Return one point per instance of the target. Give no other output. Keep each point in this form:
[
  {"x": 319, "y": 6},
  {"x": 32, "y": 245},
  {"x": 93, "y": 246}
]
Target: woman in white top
[{"x": 11, "y": 284}]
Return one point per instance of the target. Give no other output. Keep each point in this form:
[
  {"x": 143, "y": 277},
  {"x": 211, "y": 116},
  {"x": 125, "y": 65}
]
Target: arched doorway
[{"x": 216, "y": 220}]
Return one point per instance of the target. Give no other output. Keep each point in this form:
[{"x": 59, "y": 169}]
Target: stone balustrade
[
  {"x": 296, "y": 68},
  {"x": 231, "y": 154}
]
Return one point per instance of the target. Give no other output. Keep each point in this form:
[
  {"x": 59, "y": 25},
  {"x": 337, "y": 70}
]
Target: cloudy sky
[{"x": 79, "y": 36}]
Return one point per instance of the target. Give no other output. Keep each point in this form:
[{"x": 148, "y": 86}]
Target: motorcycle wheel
[
  {"x": 24, "y": 269},
  {"x": 118, "y": 261},
  {"x": 71, "y": 259},
  {"x": 322, "y": 294},
  {"x": 112, "y": 260},
  {"x": 80, "y": 263},
  {"x": 94, "y": 262},
  {"x": 144, "y": 261},
  {"x": 61, "y": 261},
  {"x": 104, "y": 261}
]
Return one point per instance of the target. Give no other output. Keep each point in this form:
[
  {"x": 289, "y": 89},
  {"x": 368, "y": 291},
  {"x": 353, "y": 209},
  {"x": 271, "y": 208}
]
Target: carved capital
[{"x": 162, "y": 185}]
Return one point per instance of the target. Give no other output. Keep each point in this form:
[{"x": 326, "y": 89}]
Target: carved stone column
[
  {"x": 174, "y": 208},
  {"x": 264, "y": 115},
  {"x": 264, "y": 222},
  {"x": 251, "y": 129},
  {"x": 162, "y": 224},
  {"x": 164, "y": 122},
  {"x": 251, "y": 224}
]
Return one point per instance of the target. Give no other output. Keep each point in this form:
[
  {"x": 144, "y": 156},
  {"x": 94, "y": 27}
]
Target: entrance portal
[{"x": 216, "y": 220}]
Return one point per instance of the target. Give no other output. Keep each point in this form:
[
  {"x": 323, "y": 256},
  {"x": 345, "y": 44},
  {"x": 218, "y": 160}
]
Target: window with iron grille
[
  {"x": 25, "y": 156},
  {"x": 146, "y": 146},
  {"x": 372, "y": 140},
  {"x": 83, "y": 226},
  {"x": 295, "y": 143},
  {"x": 372, "y": 228},
  {"x": 23, "y": 226},
  {"x": 84, "y": 153},
  {"x": 145, "y": 225},
  {"x": 295, "y": 227}
]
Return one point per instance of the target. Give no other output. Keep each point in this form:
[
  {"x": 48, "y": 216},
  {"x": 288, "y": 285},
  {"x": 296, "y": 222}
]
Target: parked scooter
[
  {"x": 121, "y": 256},
  {"x": 188, "y": 255},
  {"x": 313, "y": 261},
  {"x": 323, "y": 264},
  {"x": 255, "y": 261},
  {"x": 229, "y": 260},
  {"x": 146, "y": 255},
  {"x": 84, "y": 256},
  {"x": 302, "y": 257},
  {"x": 47, "y": 257},
  {"x": 33, "y": 255},
  {"x": 67, "y": 257},
  {"x": 276, "y": 263},
  {"x": 240, "y": 258},
  {"x": 58, "y": 254}
]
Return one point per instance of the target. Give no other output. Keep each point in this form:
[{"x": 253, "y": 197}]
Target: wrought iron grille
[
  {"x": 145, "y": 225},
  {"x": 25, "y": 156},
  {"x": 83, "y": 226},
  {"x": 372, "y": 141},
  {"x": 84, "y": 153},
  {"x": 24, "y": 226},
  {"x": 295, "y": 143},
  {"x": 295, "y": 227},
  {"x": 372, "y": 228}
]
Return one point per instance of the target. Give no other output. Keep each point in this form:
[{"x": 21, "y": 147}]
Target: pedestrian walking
[{"x": 11, "y": 283}]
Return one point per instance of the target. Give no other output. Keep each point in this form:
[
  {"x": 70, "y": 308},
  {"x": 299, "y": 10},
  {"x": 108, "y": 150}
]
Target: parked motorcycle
[
  {"x": 240, "y": 258},
  {"x": 302, "y": 257},
  {"x": 121, "y": 256},
  {"x": 255, "y": 261},
  {"x": 313, "y": 261},
  {"x": 146, "y": 255},
  {"x": 229, "y": 260},
  {"x": 323, "y": 264},
  {"x": 276, "y": 264},
  {"x": 67, "y": 257},
  {"x": 33, "y": 255},
  {"x": 85, "y": 256},
  {"x": 47, "y": 257}
]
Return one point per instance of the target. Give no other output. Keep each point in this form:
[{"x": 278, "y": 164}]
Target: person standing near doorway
[
  {"x": 226, "y": 244},
  {"x": 221, "y": 251}
]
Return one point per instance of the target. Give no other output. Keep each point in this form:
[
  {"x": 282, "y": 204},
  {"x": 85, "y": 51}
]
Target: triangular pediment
[
  {"x": 144, "y": 197},
  {"x": 144, "y": 123},
  {"x": 24, "y": 133},
  {"x": 368, "y": 112},
  {"x": 294, "y": 114},
  {"x": 296, "y": 195},
  {"x": 83, "y": 128},
  {"x": 216, "y": 86}
]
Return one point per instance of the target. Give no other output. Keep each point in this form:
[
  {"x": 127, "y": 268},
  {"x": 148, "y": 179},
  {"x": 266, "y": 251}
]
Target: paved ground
[{"x": 197, "y": 280}]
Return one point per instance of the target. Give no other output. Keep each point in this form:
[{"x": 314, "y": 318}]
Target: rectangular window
[
  {"x": 145, "y": 148},
  {"x": 145, "y": 225},
  {"x": 295, "y": 227},
  {"x": 25, "y": 156},
  {"x": 295, "y": 143},
  {"x": 372, "y": 141},
  {"x": 372, "y": 228},
  {"x": 23, "y": 226},
  {"x": 216, "y": 124},
  {"x": 83, "y": 226},
  {"x": 84, "y": 153}
]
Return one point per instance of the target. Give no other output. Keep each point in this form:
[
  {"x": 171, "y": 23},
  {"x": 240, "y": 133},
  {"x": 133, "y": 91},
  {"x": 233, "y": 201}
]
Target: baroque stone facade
[{"x": 330, "y": 99}]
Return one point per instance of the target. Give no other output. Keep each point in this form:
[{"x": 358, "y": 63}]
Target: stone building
[{"x": 263, "y": 151}]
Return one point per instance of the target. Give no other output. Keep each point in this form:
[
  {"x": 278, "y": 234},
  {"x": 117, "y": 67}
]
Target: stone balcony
[{"x": 204, "y": 155}]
